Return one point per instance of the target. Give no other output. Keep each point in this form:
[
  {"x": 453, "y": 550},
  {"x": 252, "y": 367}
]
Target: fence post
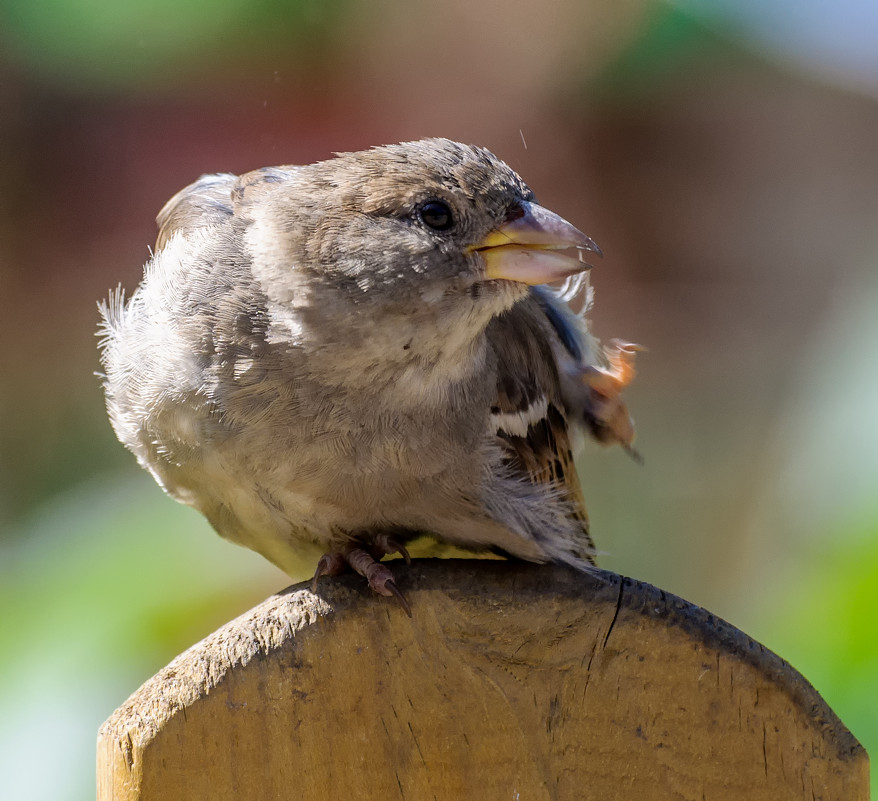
[{"x": 511, "y": 681}]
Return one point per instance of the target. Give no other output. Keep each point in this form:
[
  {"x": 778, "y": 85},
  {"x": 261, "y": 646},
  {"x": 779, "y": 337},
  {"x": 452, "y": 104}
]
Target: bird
[{"x": 336, "y": 358}]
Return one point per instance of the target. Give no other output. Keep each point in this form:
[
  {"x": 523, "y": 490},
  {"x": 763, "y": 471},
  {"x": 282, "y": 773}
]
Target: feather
[
  {"x": 206, "y": 202},
  {"x": 529, "y": 417}
]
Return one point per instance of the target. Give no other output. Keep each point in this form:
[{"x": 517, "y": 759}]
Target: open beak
[{"x": 535, "y": 247}]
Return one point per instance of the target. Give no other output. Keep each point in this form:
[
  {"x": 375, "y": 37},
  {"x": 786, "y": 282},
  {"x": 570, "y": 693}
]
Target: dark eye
[{"x": 436, "y": 215}]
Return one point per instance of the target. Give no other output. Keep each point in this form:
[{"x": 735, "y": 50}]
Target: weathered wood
[{"x": 511, "y": 681}]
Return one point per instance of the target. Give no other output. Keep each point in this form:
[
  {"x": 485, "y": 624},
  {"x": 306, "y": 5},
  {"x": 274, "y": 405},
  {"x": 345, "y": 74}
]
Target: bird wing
[
  {"x": 530, "y": 416},
  {"x": 204, "y": 203},
  {"x": 214, "y": 199}
]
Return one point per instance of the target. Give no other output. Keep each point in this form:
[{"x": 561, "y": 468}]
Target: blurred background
[{"x": 724, "y": 155}]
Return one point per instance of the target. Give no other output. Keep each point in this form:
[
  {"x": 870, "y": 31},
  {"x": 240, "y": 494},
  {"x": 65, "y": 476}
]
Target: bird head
[
  {"x": 404, "y": 252},
  {"x": 421, "y": 222}
]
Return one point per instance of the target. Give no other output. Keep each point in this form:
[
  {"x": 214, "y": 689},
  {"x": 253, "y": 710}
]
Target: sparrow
[{"x": 342, "y": 356}]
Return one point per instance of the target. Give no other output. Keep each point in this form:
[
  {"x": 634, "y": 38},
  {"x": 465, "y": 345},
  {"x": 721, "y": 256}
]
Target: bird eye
[{"x": 436, "y": 215}]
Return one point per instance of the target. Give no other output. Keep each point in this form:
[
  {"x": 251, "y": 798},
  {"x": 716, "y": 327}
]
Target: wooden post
[{"x": 511, "y": 681}]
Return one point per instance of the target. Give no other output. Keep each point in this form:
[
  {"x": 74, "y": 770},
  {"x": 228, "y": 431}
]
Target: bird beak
[{"x": 535, "y": 246}]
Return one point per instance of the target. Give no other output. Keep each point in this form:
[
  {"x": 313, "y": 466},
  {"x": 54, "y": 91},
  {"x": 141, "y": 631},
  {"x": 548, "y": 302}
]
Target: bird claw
[
  {"x": 394, "y": 591},
  {"x": 378, "y": 575},
  {"x": 386, "y": 545},
  {"x": 330, "y": 564}
]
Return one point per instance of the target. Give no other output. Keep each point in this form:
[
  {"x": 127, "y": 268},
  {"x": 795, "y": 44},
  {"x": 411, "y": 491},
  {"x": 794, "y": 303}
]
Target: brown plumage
[{"x": 528, "y": 379}]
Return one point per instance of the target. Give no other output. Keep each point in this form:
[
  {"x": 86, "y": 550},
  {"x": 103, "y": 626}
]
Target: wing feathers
[{"x": 529, "y": 418}]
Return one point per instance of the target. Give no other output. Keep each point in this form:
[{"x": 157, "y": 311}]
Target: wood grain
[{"x": 512, "y": 681}]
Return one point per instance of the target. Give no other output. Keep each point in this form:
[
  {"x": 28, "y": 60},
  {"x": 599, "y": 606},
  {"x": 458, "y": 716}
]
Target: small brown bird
[{"x": 344, "y": 355}]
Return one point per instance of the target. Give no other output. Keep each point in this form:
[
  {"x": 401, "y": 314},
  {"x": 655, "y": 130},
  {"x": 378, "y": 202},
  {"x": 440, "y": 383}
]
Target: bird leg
[
  {"x": 607, "y": 414},
  {"x": 379, "y": 576}
]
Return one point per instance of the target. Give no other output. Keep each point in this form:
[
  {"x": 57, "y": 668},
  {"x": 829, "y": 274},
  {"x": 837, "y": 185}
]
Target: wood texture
[{"x": 511, "y": 681}]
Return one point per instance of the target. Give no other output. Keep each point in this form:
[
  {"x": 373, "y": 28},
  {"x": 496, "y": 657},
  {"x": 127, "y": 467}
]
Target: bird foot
[
  {"x": 607, "y": 414},
  {"x": 386, "y": 545},
  {"x": 379, "y": 576},
  {"x": 330, "y": 564}
]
